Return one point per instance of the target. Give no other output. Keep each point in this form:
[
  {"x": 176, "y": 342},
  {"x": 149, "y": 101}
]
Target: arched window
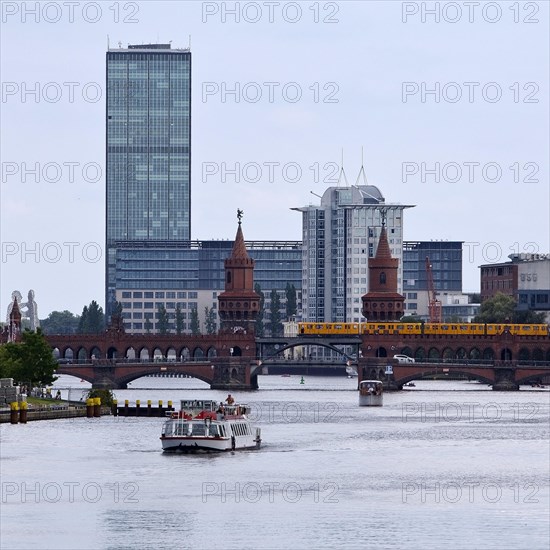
[
  {"x": 383, "y": 278},
  {"x": 228, "y": 278}
]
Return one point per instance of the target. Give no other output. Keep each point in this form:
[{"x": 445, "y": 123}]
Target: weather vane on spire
[
  {"x": 383, "y": 213},
  {"x": 239, "y": 215}
]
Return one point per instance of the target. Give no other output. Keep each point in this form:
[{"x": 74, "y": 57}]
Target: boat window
[
  {"x": 199, "y": 429},
  {"x": 181, "y": 428}
]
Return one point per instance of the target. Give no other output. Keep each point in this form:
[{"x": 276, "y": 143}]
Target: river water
[{"x": 442, "y": 465}]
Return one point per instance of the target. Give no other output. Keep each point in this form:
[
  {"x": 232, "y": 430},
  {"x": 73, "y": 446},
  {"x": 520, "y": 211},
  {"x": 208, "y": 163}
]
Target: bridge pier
[
  {"x": 505, "y": 380},
  {"x": 234, "y": 374}
]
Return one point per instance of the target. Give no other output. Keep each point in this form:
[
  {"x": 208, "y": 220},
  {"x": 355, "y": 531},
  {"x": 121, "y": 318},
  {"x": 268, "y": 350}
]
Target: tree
[
  {"x": 162, "y": 320},
  {"x": 148, "y": 325},
  {"x": 275, "y": 325},
  {"x": 260, "y": 328},
  {"x": 30, "y": 361},
  {"x": 179, "y": 320},
  {"x": 501, "y": 308},
  {"x": 92, "y": 320},
  {"x": 60, "y": 322},
  {"x": 210, "y": 320},
  {"x": 410, "y": 319},
  {"x": 290, "y": 293},
  {"x": 195, "y": 326}
]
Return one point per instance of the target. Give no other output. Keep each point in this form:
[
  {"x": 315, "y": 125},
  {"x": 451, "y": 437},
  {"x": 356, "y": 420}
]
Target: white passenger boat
[
  {"x": 206, "y": 426},
  {"x": 370, "y": 393}
]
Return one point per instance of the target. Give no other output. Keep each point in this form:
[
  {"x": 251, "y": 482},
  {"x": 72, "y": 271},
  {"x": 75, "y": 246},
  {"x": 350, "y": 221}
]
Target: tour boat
[
  {"x": 370, "y": 393},
  {"x": 206, "y": 426}
]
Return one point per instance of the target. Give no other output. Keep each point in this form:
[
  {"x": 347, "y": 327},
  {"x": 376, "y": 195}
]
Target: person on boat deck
[
  {"x": 221, "y": 409},
  {"x": 229, "y": 399}
]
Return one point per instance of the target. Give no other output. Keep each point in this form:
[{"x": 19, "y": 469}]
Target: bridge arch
[
  {"x": 420, "y": 354},
  {"x": 144, "y": 354},
  {"x": 524, "y": 354},
  {"x": 212, "y": 352},
  {"x": 112, "y": 353},
  {"x": 381, "y": 351},
  {"x": 538, "y": 355},
  {"x": 407, "y": 351},
  {"x": 237, "y": 351},
  {"x": 68, "y": 354},
  {"x": 489, "y": 354},
  {"x": 505, "y": 354},
  {"x": 460, "y": 353},
  {"x": 130, "y": 353},
  {"x": 430, "y": 373},
  {"x": 95, "y": 353},
  {"x": 185, "y": 354},
  {"x": 433, "y": 353},
  {"x": 82, "y": 354},
  {"x": 198, "y": 353},
  {"x": 448, "y": 353},
  {"x": 157, "y": 354},
  {"x": 171, "y": 354},
  {"x": 474, "y": 354}
]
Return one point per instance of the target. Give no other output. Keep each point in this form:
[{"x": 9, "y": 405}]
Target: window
[{"x": 383, "y": 278}]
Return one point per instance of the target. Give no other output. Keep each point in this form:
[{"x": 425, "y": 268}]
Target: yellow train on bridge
[{"x": 479, "y": 329}]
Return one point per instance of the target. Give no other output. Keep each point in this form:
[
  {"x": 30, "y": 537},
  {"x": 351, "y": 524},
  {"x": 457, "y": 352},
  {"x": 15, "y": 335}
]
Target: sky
[{"x": 446, "y": 102}]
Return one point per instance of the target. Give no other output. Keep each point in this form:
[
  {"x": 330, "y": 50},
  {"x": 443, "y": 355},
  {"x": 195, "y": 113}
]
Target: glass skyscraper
[{"x": 148, "y": 156}]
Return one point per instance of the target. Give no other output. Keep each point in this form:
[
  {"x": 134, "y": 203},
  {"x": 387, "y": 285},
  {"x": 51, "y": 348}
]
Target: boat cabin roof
[{"x": 370, "y": 383}]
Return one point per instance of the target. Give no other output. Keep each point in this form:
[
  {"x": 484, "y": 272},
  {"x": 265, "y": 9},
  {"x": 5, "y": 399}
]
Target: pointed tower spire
[
  {"x": 15, "y": 322},
  {"x": 238, "y": 305},
  {"x": 382, "y": 302}
]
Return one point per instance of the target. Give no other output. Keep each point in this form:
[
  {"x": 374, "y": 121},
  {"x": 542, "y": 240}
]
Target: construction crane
[{"x": 434, "y": 305}]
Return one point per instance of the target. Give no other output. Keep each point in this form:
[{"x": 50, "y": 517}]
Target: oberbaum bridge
[{"x": 234, "y": 357}]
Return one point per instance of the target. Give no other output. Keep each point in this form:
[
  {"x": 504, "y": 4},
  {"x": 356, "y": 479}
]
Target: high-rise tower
[{"x": 148, "y": 155}]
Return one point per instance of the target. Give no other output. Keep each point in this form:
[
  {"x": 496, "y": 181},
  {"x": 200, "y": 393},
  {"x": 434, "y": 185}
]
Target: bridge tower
[
  {"x": 238, "y": 305},
  {"x": 14, "y": 329},
  {"x": 382, "y": 302}
]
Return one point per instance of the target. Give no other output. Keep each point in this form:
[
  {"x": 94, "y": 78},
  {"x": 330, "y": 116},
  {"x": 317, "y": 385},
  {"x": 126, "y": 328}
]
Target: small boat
[
  {"x": 205, "y": 426},
  {"x": 351, "y": 372},
  {"x": 409, "y": 385},
  {"x": 370, "y": 393}
]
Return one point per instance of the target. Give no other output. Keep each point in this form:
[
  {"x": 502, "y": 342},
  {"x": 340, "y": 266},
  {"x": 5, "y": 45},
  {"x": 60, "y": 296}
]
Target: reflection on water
[{"x": 444, "y": 464}]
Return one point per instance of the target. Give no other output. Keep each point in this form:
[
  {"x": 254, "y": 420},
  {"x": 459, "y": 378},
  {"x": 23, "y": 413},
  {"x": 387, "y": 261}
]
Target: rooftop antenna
[
  {"x": 362, "y": 171},
  {"x": 342, "y": 172},
  {"x": 316, "y": 194}
]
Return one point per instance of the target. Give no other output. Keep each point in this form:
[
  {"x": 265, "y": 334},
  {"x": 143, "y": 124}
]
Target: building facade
[
  {"x": 148, "y": 153},
  {"x": 339, "y": 237},
  {"x": 446, "y": 261},
  {"x": 192, "y": 277},
  {"x": 526, "y": 277}
]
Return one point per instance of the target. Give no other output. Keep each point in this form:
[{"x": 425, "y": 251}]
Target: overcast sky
[{"x": 364, "y": 71}]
